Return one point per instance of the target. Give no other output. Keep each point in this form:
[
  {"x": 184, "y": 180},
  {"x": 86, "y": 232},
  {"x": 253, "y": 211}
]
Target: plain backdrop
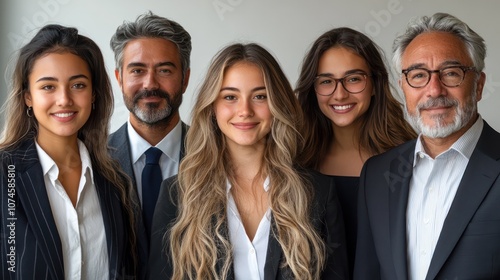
[{"x": 286, "y": 28}]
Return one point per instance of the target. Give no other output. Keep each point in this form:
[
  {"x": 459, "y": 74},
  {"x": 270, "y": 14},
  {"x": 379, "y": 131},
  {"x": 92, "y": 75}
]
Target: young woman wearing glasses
[{"x": 350, "y": 113}]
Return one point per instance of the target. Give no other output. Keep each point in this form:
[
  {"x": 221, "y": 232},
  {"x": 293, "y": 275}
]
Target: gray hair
[
  {"x": 150, "y": 25},
  {"x": 440, "y": 22}
]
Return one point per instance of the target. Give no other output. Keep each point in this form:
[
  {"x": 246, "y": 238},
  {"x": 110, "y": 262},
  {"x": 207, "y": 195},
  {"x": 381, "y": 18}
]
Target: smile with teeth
[
  {"x": 64, "y": 115},
  {"x": 342, "y": 107}
]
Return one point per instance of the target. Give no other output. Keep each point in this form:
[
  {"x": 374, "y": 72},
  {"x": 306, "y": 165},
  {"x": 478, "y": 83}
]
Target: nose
[
  {"x": 150, "y": 82},
  {"x": 435, "y": 87},
  {"x": 64, "y": 98},
  {"x": 245, "y": 108},
  {"x": 340, "y": 93}
]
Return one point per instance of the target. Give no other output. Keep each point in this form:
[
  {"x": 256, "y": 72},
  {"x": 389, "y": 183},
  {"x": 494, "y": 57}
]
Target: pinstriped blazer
[
  {"x": 119, "y": 145},
  {"x": 30, "y": 246}
]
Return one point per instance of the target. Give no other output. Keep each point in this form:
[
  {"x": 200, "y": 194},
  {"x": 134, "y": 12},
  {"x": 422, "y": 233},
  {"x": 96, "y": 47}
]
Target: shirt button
[
  {"x": 426, "y": 221},
  {"x": 421, "y": 155},
  {"x": 252, "y": 251}
]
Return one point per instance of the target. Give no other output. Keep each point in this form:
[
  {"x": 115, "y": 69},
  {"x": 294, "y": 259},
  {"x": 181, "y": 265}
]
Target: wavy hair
[
  {"x": 440, "y": 22},
  {"x": 19, "y": 127},
  {"x": 383, "y": 125},
  {"x": 199, "y": 238},
  {"x": 150, "y": 25}
]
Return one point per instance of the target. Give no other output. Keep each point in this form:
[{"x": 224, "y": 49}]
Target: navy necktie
[{"x": 151, "y": 181}]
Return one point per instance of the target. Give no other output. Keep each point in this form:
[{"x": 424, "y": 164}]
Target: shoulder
[
  {"x": 22, "y": 157},
  {"x": 488, "y": 142},
  {"x": 381, "y": 161},
  {"x": 119, "y": 135}
]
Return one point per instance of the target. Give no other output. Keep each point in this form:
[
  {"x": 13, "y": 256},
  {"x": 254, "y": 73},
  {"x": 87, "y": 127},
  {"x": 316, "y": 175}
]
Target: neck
[
  {"x": 154, "y": 133},
  {"x": 346, "y": 138},
  {"x": 247, "y": 163},
  {"x": 63, "y": 150}
]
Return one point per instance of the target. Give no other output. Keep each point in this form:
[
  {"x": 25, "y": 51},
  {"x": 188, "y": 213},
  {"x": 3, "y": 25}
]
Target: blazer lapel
[
  {"x": 399, "y": 183},
  {"x": 274, "y": 254},
  {"x": 185, "y": 128},
  {"x": 33, "y": 196},
  {"x": 481, "y": 173},
  {"x": 111, "y": 216},
  {"x": 120, "y": 150}
]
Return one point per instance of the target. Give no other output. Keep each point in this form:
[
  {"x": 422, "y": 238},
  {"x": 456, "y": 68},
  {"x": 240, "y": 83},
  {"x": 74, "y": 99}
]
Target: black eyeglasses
[
  {"x": 352, "y": 83},
  {"x": 451, "y": 76}
]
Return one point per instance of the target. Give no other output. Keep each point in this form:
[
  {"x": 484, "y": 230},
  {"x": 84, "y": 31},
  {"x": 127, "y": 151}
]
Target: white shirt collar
[
  {"x": 50, "y": 168},
  {"x": 465, "y": 145},
  {"x": 265, "y": 186},
  {"x": 170, "y": 145}
]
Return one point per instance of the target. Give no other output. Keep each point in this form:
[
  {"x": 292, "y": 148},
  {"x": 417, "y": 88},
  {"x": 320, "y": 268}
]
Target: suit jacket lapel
[
  {"x": 185, "y": 128},
  {"x": 481, "y": 172},
  {"x": 274, "y": 254},
  {"x": 120, "y": 150},
  {"x": 111, "y": 216},
  {"x": 33, "y": 196},
  {"x": 399, "y": 182}
]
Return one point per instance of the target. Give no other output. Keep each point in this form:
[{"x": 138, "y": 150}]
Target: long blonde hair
[
  {"x": 199, "y": 239},
  {"x": 19, "y": 127}
]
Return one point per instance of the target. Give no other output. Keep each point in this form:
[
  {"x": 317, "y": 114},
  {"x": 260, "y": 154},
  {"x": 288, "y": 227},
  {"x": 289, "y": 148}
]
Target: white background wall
[{"x": 286, "y": 28}]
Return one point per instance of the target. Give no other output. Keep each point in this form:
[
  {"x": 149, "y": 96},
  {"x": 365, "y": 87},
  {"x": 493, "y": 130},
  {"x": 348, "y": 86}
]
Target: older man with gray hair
[{"x": 430, "y": 208}]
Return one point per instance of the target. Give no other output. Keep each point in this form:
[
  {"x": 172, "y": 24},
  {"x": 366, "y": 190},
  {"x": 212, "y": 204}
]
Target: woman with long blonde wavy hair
[{"x": 240, "y": 207}]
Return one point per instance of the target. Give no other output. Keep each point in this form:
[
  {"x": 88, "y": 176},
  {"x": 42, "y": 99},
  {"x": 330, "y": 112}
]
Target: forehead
[
  {"x": 59, "y": 64},
  {"x": 433, "y": 49},
  {"x": 150, "y": 50},
  {"x": 340, "y": 59}
]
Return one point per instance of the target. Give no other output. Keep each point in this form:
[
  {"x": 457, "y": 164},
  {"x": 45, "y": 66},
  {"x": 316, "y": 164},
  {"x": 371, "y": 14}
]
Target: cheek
[{"x": 323, "y": 105}]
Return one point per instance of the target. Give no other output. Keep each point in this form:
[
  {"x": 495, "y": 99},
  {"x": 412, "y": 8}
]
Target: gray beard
[
  {"x": 152, "y": 115},
  {"x": 440, "y": 129}
]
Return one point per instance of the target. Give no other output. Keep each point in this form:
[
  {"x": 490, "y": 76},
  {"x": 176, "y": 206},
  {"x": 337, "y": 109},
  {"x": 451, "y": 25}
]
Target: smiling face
[
  {"x": 151, "y": 80},
  {"x": 344, "y": 109},
  {"x": 436, "y": 110},
  {"x": 60, "y": 92},
  {"x": 242, "y": 109}
]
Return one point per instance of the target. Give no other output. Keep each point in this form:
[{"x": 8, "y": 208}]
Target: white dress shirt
[
  {"x": 170, "y": 145},
  {"x": 249, "y": 257},
  {"x": 432, "y": 189},
  {"x": 80, "y": 227}
]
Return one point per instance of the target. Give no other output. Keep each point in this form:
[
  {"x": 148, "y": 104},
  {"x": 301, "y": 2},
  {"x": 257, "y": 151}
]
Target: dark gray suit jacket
[
  {"x": 28, "y": 224},
  {"x": 119, "y": 146},
  {"x": 326, "y": 217},
  {"x": 469, "y": 244}
]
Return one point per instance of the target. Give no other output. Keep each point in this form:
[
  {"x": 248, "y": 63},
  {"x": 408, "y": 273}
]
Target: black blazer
[
  {"x": 326, "y": 217},
  {"x": 119, "y": 147},
  {"x": 38, "y": 251},
  {"x": 469, "y": 244}
]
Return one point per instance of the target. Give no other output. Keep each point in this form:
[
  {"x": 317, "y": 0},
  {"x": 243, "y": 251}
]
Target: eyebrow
[
  {"x": 70, "y": 78},
  {"x": 348, "y": 72},
  {"x": 140, "y": 64},
  {"x": 442, "y": 65},
  {"x": 238, "y": 90}
]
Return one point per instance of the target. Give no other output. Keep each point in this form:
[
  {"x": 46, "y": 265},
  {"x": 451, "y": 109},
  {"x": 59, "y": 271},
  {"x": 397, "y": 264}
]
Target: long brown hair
[
  {"x": 383, "y": 125},
  {"x": 19, "y": 127}
]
